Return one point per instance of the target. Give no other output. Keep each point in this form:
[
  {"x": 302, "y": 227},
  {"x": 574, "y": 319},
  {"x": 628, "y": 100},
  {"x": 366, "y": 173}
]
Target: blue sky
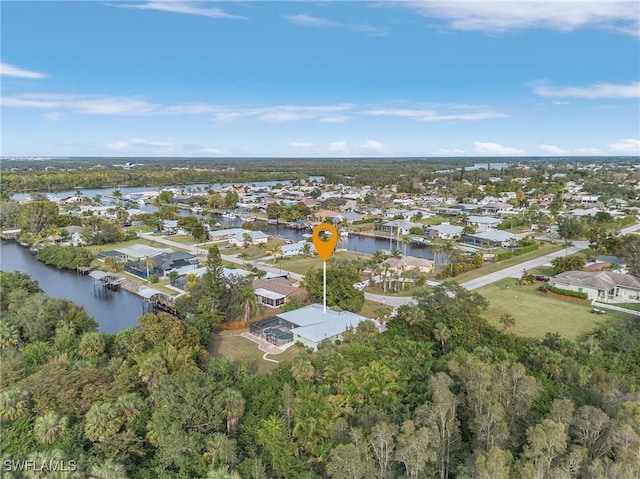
[{"x": 320, "y": 78}]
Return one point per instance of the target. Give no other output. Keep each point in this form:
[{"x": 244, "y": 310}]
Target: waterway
[
  {"x": 357, "y": 244},
  {"x": 126, "y": 190},
  {"x": 113, "y": 311}
]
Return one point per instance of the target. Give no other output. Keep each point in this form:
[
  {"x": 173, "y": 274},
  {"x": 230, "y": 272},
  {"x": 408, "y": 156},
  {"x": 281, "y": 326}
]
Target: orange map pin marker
[{"x": 325, "y": 248}]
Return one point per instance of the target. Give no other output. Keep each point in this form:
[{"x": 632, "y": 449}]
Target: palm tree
[
  {"x": 396, "y": 253},
  {"x": 302, "y": 369},
  {"x": 91, "y": 345},
  {"x": 274, "y": 250},
  {"x": 9, "y": 336},
  {"x": 129, "y": 405},
  {"x": 108, "y": 469},
  {"x": 101, "y": 421},
  {"x": 507, "y": 321},
  {"x": 50, "y": 427},
  {"x": 436, "y": 249},
  {"x": 14, "y": 404},
  {"x": 567, "y": 244},
  {"x": 150, "y": 264},
  {"x": 248, "y": 302},
  {"x": 233, "y": 408},
  {"x": 442, "y": 333},
  {"x": 151, "y": 369}
]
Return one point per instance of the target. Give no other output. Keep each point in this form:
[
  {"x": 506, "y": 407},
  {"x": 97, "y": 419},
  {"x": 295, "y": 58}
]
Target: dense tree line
[{"x": 440, "y": 394}]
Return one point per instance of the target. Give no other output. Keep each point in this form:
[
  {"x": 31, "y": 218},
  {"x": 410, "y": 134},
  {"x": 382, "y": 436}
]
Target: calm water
[
  {"x": 358, "y": 244},
  {"x": 113, "y": 311}
]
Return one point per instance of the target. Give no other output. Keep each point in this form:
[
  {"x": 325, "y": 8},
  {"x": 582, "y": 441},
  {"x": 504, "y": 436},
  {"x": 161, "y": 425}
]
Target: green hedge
[
  {"x": 504, "y": 255},
  {"x": 65, "y": 257},
  {"x": 567, "y": 292},
  {"x": 364, "y": 221},
  {"x": 525, "y": 249}
]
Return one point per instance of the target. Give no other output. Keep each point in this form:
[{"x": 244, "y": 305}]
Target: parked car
[
  {"x": 361, "y": 285},
  {"x": 542, "y": 278}
]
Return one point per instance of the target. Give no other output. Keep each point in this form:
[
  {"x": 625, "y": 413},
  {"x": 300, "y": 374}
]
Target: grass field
[
  {"x": 302, "y": 264},
  {"x": 487, "y": 268},
  {"x": 371, "y": 309},
  {"x": 182, "y": 239},
  {"x": 537, "y": 314},
  {"x": 236, "y": 348}
]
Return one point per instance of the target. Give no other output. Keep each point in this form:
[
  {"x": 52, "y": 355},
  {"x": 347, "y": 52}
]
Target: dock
[
  {"x": 103, "y": 282},
  {"x": 155, "y": 302},
  {"x": 9, "y": 235},
  {"x": 85, "y": 269}
]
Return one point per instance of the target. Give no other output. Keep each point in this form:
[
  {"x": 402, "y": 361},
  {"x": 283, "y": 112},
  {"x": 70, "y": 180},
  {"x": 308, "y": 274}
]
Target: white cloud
[
  {"x": 554, "y": 150},
  {"x": 53, "y": 116},
  {"x": 287, "y": 113},
  {"x": 133, "y": 106},
  {"x": 433, "y": 115},
  {"x": 7, "y": 70},
  {"x": 629, "y": 146},
  {"x": 489, "y": 149},
  {"x": 187, "y": 7},
  {"x": 338, "y": 147},
  {"x": 312, "y": 21},
  {"x": 505, "y": 16},
  {"x": 301, "y": 145},
  {"x": 140, "y": 146},
  {"x": 373, "y": 146},
  {"x": 93, "y": 105},
  {"x": 587, "y": 151},
  {"x": 590, "y": 92}
]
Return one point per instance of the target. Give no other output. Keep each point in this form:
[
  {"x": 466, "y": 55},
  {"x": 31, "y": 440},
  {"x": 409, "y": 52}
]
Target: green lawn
[
  {"x": 487, "y": 268},
  {"x": 236, "y": 348},
  {"x": 302, "y": 264},
  {"x": 537, "y": 314},
  {"x": 371, "y": 308},
  {"x": 182, "y": 239}
]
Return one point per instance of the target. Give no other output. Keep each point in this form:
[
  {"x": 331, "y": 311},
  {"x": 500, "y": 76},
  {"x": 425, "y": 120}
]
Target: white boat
[
  {"x": 344, "y": 233},
  {"x": 140, "y": 201},
  {"x": 228, "y": 214}
]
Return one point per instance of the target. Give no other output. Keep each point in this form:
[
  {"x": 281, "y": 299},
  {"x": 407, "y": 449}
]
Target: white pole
[{"x": 324, "y": 283}]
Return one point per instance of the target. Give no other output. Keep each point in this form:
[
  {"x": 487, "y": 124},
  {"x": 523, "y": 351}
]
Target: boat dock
[{"x": 105, "y": 282}]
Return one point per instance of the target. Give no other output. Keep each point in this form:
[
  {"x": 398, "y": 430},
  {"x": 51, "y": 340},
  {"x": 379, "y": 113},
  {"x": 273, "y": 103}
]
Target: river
[{"x": 113, "y": 311}]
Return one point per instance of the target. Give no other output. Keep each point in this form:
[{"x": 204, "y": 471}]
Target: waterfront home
[
  {"x": 236, "y": 236},
  {"x": 605, "y": 286},
  {"x": 444, "y": 231},
  {"x": 397, "y": 227},
  {"x": 276, "y": 291},
  {"x": 349, "y": 217},
  {"x": 161, "y": 264},
  {"x": 491, "y": 239},
  {"x": 497, "y": 207},
  {"x": 408, "y": 263},
  {"x": 132, "y": 253}
]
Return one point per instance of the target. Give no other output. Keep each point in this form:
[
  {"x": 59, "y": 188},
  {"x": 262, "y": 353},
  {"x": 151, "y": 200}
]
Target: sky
[{"x": 320, "y": 78}]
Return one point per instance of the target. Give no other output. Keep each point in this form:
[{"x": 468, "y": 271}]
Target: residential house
[
  {"x": 295, "y": 249},
  {"x": 236, "y": 236},
  {"x": 408, "y": 263},
  {"x": 605, "y": 286},
  {"x": 397, "y": 227},
  {"x": 275, "y": 292},
  {"x": 349, "y": 217},
  {"x": 491, "y": 239},
  {"x": 161, "y": 264},
  {"x": 309, "y": 325},
  {"x": 444, "y": 231},
  {"x": 483, "y": 223},
  {"x": 497, "y": 207}
]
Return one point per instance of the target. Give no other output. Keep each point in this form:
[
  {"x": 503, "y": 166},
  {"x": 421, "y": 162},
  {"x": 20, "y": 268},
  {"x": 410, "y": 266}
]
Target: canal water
[
  {"x": 113, "y": 311},
  {"x": 358, "y": 244}
]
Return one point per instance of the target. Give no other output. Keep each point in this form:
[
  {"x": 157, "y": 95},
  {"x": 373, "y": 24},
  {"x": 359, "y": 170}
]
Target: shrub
[
  {"x": 154, "y": 278},
  {"x": 504, "y": 255},
  {"x": 525, "y": 249},
  {"x": 563, "y": 292},
  {"x": 65, "y": 257}
]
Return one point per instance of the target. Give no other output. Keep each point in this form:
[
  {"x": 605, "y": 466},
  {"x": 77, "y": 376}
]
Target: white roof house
[
  {"x": 444, "y": 231},
  {"x": 491, "y": 239},
  {"x": 313, "y": 325}
]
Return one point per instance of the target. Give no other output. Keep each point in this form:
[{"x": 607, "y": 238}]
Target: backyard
[
  {"x": 536, "y": 313},
  {"x": 234, "y": 347},
  {"x": 301, "y": 264}
]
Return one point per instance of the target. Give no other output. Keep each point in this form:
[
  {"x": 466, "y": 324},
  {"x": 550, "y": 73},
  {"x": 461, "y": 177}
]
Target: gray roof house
[
  {"x": 491, "y": 239},
  {"x": 605, "y": 286},
  {"x": 444, "y": 231}
]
